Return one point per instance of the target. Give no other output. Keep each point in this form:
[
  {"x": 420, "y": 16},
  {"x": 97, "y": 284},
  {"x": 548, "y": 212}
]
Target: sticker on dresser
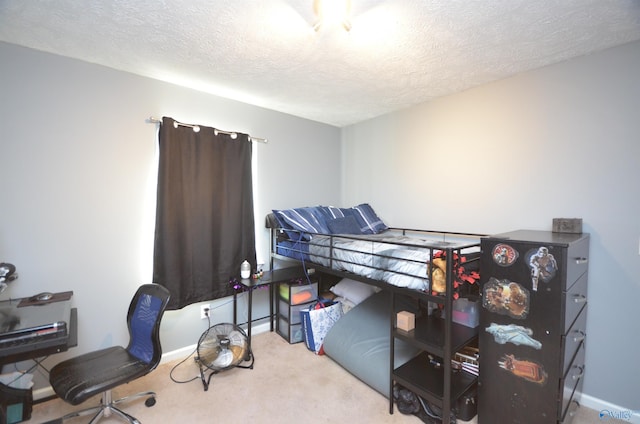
[
  {"x": 515, "y": 334},
  {"x": 543, "y": 265},
  {"x": 524, "y": 368},
  {"x": 506, "y": 297},
  {"x": 504, "y": 255}
]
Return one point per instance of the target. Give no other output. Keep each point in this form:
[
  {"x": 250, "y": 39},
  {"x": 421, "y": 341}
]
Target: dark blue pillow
[
  {"x": 307, "y": 220},
  {"x": 346, "y": 225},
  {"x": 369, "y": 222},
  {"x": 331, "y": 212}
]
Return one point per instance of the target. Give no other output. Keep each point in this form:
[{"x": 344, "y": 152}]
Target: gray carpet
[{"x": 288, "y": 384}]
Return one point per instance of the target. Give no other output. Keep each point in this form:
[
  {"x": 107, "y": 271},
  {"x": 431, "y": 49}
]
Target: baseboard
[
  {"x": 181, "y": 353},
  {"x": 43, "y": 393},
  {"x": 178, "y": 354},
  {"x": 188, "y": 350},
  {"x": 608, "y": 411},
  {"x": 605, "y": 410}
]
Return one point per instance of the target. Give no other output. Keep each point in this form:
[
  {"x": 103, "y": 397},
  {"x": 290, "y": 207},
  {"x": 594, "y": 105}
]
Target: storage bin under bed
[
  {"x": 290, "y": 332},
  {"x": 296, "y": 294},
  {"x": 292, "y": 298}
]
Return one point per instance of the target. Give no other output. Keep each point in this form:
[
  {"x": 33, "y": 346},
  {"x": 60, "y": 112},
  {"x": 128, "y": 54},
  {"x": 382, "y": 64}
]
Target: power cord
[{"x": 208, "y": 313}]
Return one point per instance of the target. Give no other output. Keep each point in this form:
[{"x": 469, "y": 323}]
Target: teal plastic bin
[{"x": 15, "y": 404}]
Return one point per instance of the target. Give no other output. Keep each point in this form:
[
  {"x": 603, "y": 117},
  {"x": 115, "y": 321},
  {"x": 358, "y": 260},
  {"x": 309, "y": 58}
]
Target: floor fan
[{"x": 220, "y": 348}]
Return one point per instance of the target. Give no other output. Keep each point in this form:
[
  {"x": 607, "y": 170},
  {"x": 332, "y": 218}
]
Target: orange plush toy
[{"x": 462, "y": 273}]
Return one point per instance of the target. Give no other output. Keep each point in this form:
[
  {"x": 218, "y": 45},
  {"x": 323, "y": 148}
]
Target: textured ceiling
[{"x": 264, "y": 52}]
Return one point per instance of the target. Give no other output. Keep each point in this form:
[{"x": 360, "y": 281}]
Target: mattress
[
  {"x": 399, "y": 260},
  {"x": 360, "y": 343}
]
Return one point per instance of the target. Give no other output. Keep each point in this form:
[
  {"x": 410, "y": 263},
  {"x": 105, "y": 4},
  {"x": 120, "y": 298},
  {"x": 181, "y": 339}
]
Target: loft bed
[{"x": 356, "y": 245}]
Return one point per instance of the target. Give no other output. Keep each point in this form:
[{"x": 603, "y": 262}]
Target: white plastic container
[
  {"x": 465, "y": 312},
  {"x": 245, "y": 270}
]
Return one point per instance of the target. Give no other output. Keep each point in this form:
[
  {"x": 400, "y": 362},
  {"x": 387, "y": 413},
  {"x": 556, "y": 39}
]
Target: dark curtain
[{"x": 204, "y": 217}]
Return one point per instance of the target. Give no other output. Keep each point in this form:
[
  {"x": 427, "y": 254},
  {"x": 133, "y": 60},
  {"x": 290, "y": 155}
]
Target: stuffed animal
[
  {"x": 465, "y": 271},
  {"x": 439, "y": 275}
]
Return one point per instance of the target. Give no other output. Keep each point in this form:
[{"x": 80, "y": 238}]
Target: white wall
[
  {"x": 78, "y": 183},
  {"x": 78, "y": 168},
  {"x": 558, "y": 142}
]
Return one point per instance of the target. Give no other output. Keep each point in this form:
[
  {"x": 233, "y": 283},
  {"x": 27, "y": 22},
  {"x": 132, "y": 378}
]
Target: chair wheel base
[{"x": 107, "y": 408}]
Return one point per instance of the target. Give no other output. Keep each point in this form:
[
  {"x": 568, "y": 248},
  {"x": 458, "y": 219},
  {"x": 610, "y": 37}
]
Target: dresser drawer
[
  {"x": 571, "y": 385},
  {"x": 577, "y": 261},
  {"x": 290, "y": 332},
  {"x": 574, "y": 339},
  {"x": 292, "y": 312},
  {"x": 574, "y": 300},
  {"x": 572, "y": 411},
  {"x": 296, "y": 294}
]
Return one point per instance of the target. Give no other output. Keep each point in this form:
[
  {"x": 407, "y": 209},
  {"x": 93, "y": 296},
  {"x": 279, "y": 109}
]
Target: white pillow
[
  {"x": 352, "y": 290},
  {"x": 347, "y": 305}
]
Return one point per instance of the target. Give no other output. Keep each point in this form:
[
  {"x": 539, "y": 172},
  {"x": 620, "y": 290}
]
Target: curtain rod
[{"x": 216, "y": 131}]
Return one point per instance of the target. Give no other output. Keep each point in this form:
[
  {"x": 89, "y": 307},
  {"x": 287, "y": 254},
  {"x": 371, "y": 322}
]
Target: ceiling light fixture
[{"x": 332, "y": 13}]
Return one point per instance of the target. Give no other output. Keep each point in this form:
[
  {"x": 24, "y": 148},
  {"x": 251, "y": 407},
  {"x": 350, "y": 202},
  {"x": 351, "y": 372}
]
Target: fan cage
[{"x": 222, "y": 347}]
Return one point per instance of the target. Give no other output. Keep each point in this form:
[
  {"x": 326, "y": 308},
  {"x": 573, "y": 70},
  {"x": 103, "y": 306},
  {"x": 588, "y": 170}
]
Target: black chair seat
[
  {"x": 81, "y": 377},
  {"x": 77, "y": 379}
]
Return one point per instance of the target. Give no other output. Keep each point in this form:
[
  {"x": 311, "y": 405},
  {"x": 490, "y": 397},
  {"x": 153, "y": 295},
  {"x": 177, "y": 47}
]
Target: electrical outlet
[{"x": 205, "y": 310}]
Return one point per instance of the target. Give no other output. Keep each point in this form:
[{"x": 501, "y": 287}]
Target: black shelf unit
[
  {"x": 436, "y": 336},
  {"x": 429, "y": 335},
  {"x": 419, "y": 376}
]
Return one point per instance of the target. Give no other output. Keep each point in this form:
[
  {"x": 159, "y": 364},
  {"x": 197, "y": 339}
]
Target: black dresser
[{"x": 532, "y": 326}]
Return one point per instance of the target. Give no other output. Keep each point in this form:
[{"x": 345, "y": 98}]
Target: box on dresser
[{"x": 567, "y": 225}]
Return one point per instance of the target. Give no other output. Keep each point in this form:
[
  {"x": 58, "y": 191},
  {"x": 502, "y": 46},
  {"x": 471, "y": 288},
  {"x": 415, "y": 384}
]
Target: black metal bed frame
[{"x": 445, "y": 301}]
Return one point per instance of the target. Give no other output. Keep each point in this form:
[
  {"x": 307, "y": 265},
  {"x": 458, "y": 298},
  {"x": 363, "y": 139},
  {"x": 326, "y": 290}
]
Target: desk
[
  {"x": 33, "y": 344},
  {"x": 29, "y": 331},
  {"x": 269, "y": 278}
]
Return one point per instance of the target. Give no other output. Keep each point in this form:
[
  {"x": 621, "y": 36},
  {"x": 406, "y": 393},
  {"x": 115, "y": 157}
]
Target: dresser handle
[
  {"x": 580, "y": 337},
  {"x": 574, "y": 410},
  {"x": 580, "y": 375},
  {"x": 580, "y": 261},
  {"x": 579, "y": 298}
]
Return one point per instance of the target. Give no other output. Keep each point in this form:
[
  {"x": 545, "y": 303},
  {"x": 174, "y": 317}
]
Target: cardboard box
[{"x": 405, "y": 321}]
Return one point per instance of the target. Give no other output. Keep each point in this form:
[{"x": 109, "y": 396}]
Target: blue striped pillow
[
  {"x": 369, "y": 222},
  {"x": 331, "y": 212},
  {"x": 307, "y": 220}
]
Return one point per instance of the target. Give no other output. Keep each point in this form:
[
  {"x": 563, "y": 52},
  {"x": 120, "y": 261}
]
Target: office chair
[{"x": 77, "y": 379}]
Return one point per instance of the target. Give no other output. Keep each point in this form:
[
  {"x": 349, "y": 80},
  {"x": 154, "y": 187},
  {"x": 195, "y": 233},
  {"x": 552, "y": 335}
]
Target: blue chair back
[{"x": 143, "y": 319}]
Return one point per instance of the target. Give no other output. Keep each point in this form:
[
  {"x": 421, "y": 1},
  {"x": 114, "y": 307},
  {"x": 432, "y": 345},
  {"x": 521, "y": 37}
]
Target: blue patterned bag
[{"x": 317, "y": 320}]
